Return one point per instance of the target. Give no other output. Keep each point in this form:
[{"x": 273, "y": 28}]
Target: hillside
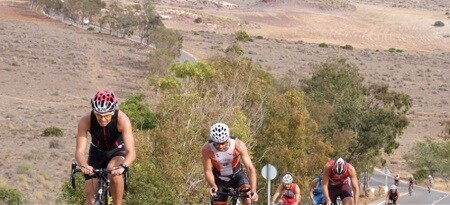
[{"x": 49, "y": 70}]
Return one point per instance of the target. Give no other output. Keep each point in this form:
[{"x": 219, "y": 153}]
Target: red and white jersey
[
  {"x": 338, "y": 179},
  {"x": 225, "y": 162}
]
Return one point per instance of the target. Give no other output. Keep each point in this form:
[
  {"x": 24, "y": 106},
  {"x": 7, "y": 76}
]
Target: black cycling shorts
[
  {"x": 237, "y": 181},
  {"x": 99, "y": 159}
]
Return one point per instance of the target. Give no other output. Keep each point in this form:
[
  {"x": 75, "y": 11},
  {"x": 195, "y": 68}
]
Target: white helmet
[
  {"x": 287, "y": 179},
  {"x": 339, "y": 166},
  {"x": 219, "y": 133},
  {"x": 393, "y": 187},
  {"x": 429, "y": 176}
]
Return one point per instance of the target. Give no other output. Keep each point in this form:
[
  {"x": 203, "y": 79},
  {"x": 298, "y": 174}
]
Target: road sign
[
  {"x": 269, "y": 172},
  {"x": 386, "y": 171}
]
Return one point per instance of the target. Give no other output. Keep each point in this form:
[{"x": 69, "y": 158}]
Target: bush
[
  {"x": 439, "y": 23},
  {"x": 323, "y": 45},
  {"x": 55, "y": 144},
  {"x": 10, "y": 196},
  {"x": 198, "y": 20},
  {"x": 243, "y": 36},
  {"x": 53, "y": 131},
  {"x": 236, "y": 49},
  {"x": 139, "y": 113},
  {"x": 392, "y": 50},
  {"x": 347, "y": 47},
  {"x": 421, "y": 174}
]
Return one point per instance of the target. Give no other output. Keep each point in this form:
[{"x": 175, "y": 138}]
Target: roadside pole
[{"x": 269, "y": 172}]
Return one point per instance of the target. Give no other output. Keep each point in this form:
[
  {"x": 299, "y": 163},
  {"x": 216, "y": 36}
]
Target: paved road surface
[{"x": 420, "y": 195}]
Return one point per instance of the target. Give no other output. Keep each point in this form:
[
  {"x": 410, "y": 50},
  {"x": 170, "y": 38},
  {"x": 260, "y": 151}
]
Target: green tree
[
  {"x": 360, "y": 120},
  {"x": 430, "y": 155},
  {"x": 139, "y": 113}
]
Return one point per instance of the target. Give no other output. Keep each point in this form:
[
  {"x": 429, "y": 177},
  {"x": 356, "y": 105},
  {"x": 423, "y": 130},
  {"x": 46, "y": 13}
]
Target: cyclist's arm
[
  {"x": 312, "y": 186},
  {"x": 81, "y": 140},
  {"x": 354, "y": 181},
  {"x": 277, "y": 193},
  {"x": 325, "y": 181},
  {"x": 124, "y": 125},
  {"x": 207, "y": 166},
  {"x": 387, "y": 196},
  {"x": 298, "y": 196},
  {"x": 245, "y": 157}
]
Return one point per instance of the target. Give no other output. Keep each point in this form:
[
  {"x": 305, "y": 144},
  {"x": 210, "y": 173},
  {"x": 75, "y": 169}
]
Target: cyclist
[
  {"x": 429, "y": 182},
  {"x": 336, "y": 180},
  {"x": 392, "y": 195},
  {"x": 396, "y": 179},
  {"x": 315, "y": 191},
  {"x": 221, "y": 157},
  {"x": 411, "y": 181},
  {"x": 289, "y": 191},
  {"x": 111, "y": 147}
]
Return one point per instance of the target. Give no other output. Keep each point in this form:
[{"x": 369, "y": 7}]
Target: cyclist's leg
[
  {"x": 117, "y": 183},
  {"x": 346, "y": 194},
  {"x": 334, "y": 193},
  {"x": 90, "y": 187},
  {"x": 221, "y": 199},
  {"x": 97, "y": 159},
  {"x": 242, "y": 182}
]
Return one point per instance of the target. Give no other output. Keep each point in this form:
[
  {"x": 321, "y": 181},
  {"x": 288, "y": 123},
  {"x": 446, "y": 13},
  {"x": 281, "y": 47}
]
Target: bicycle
[
  {"x": 429, "y": 188},
  {"x": 234, "y": 194},
  {"x": 103, "y": 196},
  {"x": 410, "y": 189}
]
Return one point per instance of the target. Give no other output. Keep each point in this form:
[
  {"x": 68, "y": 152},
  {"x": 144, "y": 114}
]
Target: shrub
[
  {"x": 139, "y": 113},
  {"x": 439, "y": 23},
  {"x": 259, "y": 37},
  {"x": 323, "y": 45},
  {"x": 90, "y": 28},
  {"x": 392, "y": 50},
  {"x": 421, "y": 174},
  {"x": 347, "y": 47},
  {"x": 10, "y": 196},
  {"x": 53, "y": 131},
  {"x": 198, "y": 20},
  {"x": 55, "y": 144},
  {"x": 234, "y": 49},
  {"x": 243, "y": 36}
]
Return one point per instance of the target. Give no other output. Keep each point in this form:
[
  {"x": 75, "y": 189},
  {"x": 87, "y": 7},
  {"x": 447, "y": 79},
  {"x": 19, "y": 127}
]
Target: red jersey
[{"x": 338, "y": 179}]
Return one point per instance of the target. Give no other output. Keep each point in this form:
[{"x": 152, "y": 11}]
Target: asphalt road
[{"x": 420, "y": 195}]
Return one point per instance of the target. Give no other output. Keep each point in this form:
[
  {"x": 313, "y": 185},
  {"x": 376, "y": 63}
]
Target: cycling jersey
[
  {"x": 288, "y": 195},
  {"x": 317, "y": 192},
  {"x": 227, "y": 163},
  {"x": 105, "y": 138}
]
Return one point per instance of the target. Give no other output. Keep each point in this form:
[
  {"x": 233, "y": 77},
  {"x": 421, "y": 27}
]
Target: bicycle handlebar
[{"x": 76, "y": 168}]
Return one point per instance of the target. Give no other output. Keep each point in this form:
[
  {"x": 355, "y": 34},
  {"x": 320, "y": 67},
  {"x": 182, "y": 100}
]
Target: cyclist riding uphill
[
  {"x": 289, "y": 191},
  {"x": 221, "y": 157},
  {"x": 411, "y": 181},
  {"x": 315, "y": 191},
  {"x": 392, "y": 195},
  {"x": 111, "y": 147},
  {"x": 335, "y": 182}
]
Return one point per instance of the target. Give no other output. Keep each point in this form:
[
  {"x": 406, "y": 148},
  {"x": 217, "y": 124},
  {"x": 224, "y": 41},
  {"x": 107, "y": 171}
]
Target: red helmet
[{"x": 104, "y": 101}]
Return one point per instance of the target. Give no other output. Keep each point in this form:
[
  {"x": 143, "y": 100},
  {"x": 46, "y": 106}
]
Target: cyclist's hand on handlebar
[
  {"x": 253, "y": 195},
  {"x": 213, "y": 191},
  {"x": 117, "y": 170},
  {"x": 89, "y": 170}
]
